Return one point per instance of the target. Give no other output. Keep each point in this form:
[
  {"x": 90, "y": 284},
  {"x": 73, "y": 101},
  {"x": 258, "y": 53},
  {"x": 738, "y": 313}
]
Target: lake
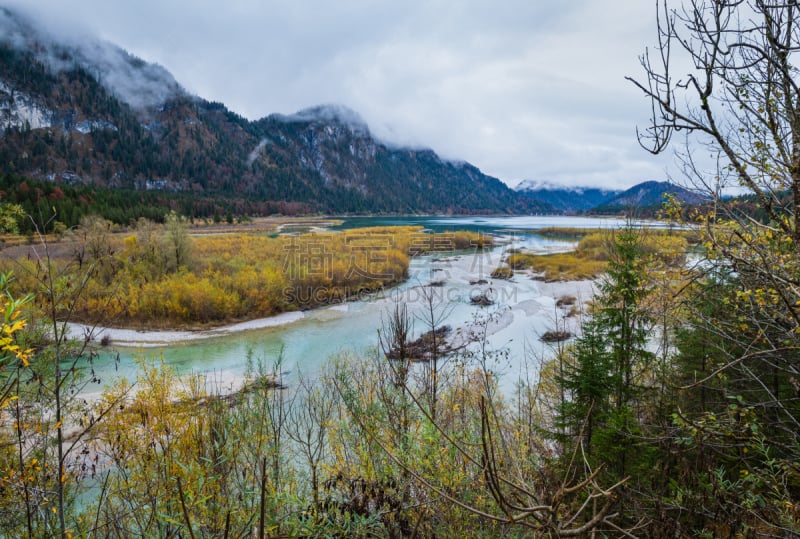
[{"x": 523, "y": 310}]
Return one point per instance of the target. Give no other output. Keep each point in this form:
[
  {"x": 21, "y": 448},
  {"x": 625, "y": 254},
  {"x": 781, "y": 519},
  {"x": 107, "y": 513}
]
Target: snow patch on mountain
[
  {"x": 542, "y": 185},
  {"x": 565, "y": 198},
  {"x": 19, "y": 110},
  {"x": 87, "y": 126},
  {"x": 535, "y": 185}
]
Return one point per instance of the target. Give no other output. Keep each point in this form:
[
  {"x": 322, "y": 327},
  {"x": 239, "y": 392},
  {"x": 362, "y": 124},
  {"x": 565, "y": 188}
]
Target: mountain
[
  {"x": 565, "y": 199},
  {"x": 648, "y": 195},
  {"x": 77, "y": 111}
]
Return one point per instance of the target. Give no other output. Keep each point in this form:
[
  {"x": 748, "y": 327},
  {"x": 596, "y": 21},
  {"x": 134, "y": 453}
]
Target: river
[{"x": 524, "y": 309}]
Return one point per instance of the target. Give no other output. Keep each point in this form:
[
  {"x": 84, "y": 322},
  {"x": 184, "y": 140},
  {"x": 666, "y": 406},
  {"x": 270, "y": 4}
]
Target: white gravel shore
[
  {"x": 152, "y": 339},
  {"x": 583, "y": 290}
]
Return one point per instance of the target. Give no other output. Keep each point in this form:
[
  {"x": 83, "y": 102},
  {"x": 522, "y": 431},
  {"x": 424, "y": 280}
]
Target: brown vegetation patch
[
  {"x": 431, "y": 344},
  {"x": 483, "y": 299},
  {"x": 503, "y": 272},
  {"x": 566, "y": 301},
  {"x": 555, "y": 336},
  {"x": 590, "y": 257}
]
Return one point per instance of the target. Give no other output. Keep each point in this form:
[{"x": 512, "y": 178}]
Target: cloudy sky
[{"x": 523, "y": 89}]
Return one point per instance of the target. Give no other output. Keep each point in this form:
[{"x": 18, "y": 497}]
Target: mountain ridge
[
  {"x": 565, "y": 199},
  {"x": 647, "y": 195},
  {"x": 73, "y": 120}
]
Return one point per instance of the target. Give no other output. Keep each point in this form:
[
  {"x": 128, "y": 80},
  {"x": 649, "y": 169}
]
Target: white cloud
[{"x": 521, "y": 89}]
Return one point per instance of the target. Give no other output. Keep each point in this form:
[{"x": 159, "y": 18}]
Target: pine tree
[
  {"x": 621, "y": 315},
  {"x": 607, "y": 366},
  {"x": 587, "y": 382}
]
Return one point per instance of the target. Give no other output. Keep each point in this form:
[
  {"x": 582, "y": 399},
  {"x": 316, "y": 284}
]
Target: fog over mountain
[
  {"x": 134, "y": 81},
  {"x": 85, "y": 112},
  {"x": 520, "y": 89}
]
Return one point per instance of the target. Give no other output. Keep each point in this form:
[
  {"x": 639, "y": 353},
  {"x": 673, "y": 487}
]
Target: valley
[{"x": 269, "y": 296}]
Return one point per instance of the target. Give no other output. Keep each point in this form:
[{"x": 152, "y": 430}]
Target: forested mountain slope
[{"x": 90, "y": 113}]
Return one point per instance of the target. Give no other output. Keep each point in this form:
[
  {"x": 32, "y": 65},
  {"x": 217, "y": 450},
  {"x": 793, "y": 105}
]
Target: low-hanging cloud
[
  {"x": 328, "y": 113},
  {"x": 257, "y": 150},
  {"x": 520, "y": 89},
  {"x": 134, "y": 81}
]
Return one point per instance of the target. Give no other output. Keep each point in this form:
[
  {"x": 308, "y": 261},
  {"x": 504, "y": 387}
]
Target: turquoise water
[
  {"x": 522, "y": 311},
  {"x": 488, "y": 224}
]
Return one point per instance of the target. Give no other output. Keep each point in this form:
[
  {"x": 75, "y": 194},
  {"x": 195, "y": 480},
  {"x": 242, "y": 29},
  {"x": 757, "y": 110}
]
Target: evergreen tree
[
  {"x": 588, "y": 385},
  {"x": 607, "y": 367},
  {"x": 621, "y": 315}
]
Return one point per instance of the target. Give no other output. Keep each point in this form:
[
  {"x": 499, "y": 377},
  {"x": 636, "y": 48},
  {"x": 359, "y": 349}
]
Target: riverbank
[
  {"x": 455, "y": 279},
  {"x": 523, "y": 311},
  {"x": 160, "y": 278},
  {"x": 550, "y": 292},
  {"x": 141, "y": 338}
]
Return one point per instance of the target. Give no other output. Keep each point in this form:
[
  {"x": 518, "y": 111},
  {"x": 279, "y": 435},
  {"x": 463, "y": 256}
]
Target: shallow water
[{"x": 524, "y": 310}]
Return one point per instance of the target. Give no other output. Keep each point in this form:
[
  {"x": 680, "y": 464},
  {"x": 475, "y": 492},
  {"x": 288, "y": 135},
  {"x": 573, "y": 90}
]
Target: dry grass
[
  {"x": 574, "y": 233},
  {"x": 503, "y": 272},
  {"x": 590, "y": 258}
]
